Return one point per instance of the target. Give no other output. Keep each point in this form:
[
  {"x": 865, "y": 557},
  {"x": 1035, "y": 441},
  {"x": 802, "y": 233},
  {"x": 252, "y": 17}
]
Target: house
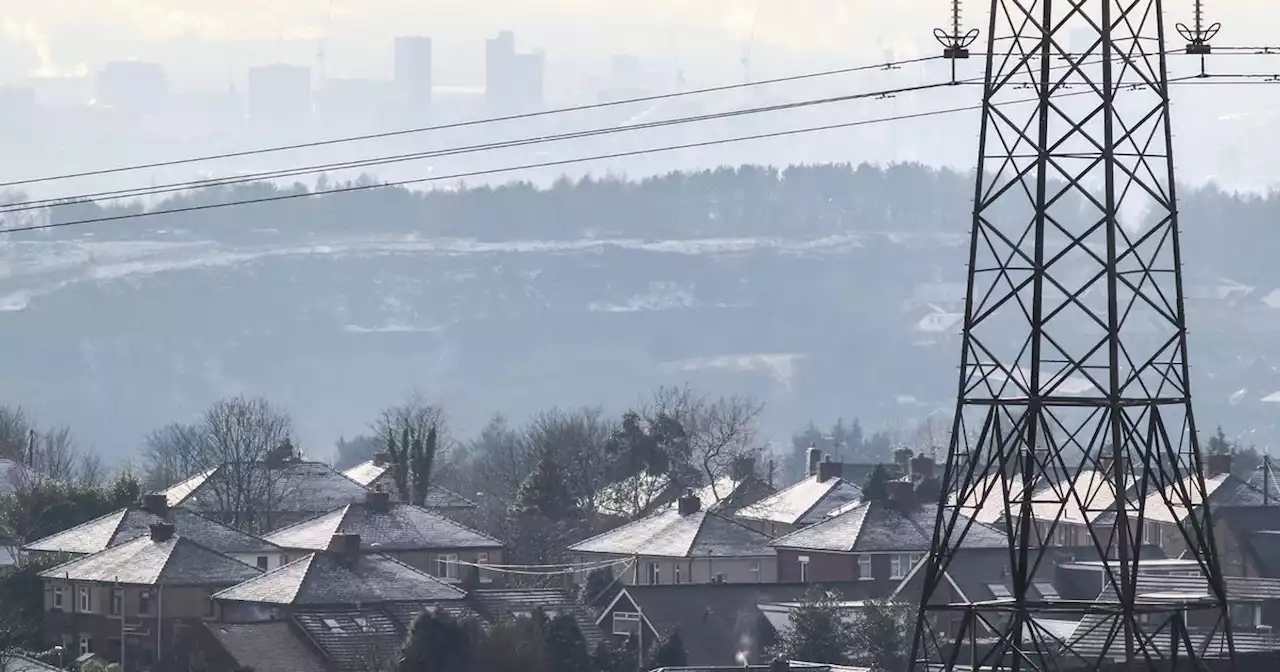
[
  {"x": 720, "y": 624},
  {"x": 679, "y": 545},
  {"x": 824, "y": 489},
  {"x": 134, "y": 522},
  {"x": 139, "y": 596},
  {"x": 1254, "y": 605},
  {"x": 341, "y": 575},
  {"x": 411, "y": 534},
  {"x": 1238, "y": 510},
  {"x": 376, "y": 474},
  {"x": 265, "y": 495},
  {"x": 352, "y": 607},
  {"x": 875, "y": 543}
]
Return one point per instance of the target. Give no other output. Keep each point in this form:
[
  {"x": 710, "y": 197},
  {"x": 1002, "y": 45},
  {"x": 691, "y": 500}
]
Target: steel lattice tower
[{"x": 1074, "y": 403}]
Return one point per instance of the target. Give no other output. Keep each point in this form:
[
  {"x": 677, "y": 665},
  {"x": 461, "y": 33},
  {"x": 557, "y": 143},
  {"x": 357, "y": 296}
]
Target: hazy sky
[{"x": 202, "y": 38}]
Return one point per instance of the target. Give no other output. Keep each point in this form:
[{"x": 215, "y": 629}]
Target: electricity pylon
[{"x": 1074, "y": 404}]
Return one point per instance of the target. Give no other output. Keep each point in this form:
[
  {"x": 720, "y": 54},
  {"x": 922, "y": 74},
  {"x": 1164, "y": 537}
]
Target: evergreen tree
[
  {"x": 421, "y": 461},
  {"x": 435, "y": 644},
  {"x": 670, "y": 653},
  {"x": 818, "y": 633},
  {"x": 600, "y": 587},
  {"x": 882, "y": 635},
  {"x": 546, "y": 492},
  {"x": 566, "y": 647},
  {"x": 876, "y": 487},
  {"x": 398, "y": 452},
  {"x": 1219, "y": 444}
]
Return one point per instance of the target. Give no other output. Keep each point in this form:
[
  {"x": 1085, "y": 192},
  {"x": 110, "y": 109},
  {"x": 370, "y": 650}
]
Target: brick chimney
[
  {"x": 902, "y": 458},
  {"x": 345, "y": 545},
  {"x": 829, "y": 469},
  {"x": 902, "y": 493},
  {"x": 922, "y": 466},
  {"x": 1216, "y": 465},
  {"x": 157, "y": 504},
  {"x": 378, "y": 501},
  {"x": 688, "y": 504},
  {"x": 382, "y": 458},
  {"x": 812, "y": 458},
  {"x": 161, "y": 532}
]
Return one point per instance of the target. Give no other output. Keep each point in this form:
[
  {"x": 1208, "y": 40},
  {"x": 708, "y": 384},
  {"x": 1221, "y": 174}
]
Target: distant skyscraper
[
  {"x": 413, "y": 72},
  {"x": 279, "y": 96},
  {"x": 132, "y": 85},
  {"x": 513, "y": 82}
]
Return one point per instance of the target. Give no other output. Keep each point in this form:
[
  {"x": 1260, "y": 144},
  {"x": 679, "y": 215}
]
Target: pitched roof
[
  {"x": 302, "y": 486},
  {"x": 329, "y": 579},
  {"x": 366, "y": 473},
  {"x": 1223, "y": 490},
  {"x": 669, "y": 534},
  {"x": 802, "y": 503},
  {"x": 403, "y": 527},
  {"x": 354, "y": 639},
  {"x": 129, "y": 523},
  {"x": 266, "y": 647},
  {"x": 498, "y": 604},
  {"x": 882, "y": 526},
  {"x": 176, "y": 562},
  {"x": 717, "y": 622}
]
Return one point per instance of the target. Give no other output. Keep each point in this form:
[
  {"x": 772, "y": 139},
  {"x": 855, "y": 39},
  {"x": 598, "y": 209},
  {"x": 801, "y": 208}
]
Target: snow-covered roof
[
  {"x": 670, "y": 534},
  {"x": 808, "y": 501}
]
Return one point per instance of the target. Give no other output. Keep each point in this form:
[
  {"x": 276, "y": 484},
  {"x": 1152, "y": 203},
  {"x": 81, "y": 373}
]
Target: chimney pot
[
  {"x": 828, "y": 470},
  {"x": 689, "y": 504},
  {"x": 345, "y": 544},
  {"x": 157, "y": 504},
  {"x": 902, "y": 493},
  {"x": 378, "y": 501},
  {"x": 161, "y": 532}
]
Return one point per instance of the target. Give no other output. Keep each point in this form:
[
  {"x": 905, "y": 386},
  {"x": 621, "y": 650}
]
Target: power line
[
  {"x": 469, "y": 123},
  {"x": 509, "y": 169},
  {"x": 453, "y": 151},
  {"x": 399, "y": 158}
]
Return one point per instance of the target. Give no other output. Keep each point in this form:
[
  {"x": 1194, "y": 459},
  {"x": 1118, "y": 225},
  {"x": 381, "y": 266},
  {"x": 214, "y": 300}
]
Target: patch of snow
[{"x": 780, "y": 366}]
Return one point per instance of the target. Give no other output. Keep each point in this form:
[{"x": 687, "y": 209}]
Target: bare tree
[
  {"x": 15, "y": 430},
  {"x": 246, "y": 439},
  {"x": 417, "y": 415},
  {"x": 721, "y": 432},
  {"x": 171, "y": 454},
  {"x": 53, "y": 454},
  {"x": 579, "y": 437},
  {"x": 933, "y": 434}
]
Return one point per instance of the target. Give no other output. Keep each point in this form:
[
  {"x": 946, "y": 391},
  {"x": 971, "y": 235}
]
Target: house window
[
  {"x": 117, "y": 602},
  {"x": 284, "y": 559},
  {"x": 676, "y": 574},
  {"x": 483, "y": 559},
  {"x": 804, "y": 569},
  {"x": 864, "y": 568},
  {"x": 57, "y": 598},
  {"x": 899, "y": 565},
  {"x": 1245, "y": 615},
  {"x": 626, "y": 623},
  {"x": 1064, "y": 535},
  {"x": 447, "y": 566},
  {"x": 755, "y": 571},
  {"x": 86, "y": 600},
  {"x": 1154, "y": 534},
  {"x": 144, "y": 603},
  {"x": 262, "y": 562},
  {"x": 86, "y": 644},
  {"x": 655, "y": 574}
]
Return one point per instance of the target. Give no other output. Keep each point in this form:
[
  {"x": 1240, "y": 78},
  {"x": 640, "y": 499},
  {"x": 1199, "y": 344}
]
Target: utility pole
[{"x": 1073, "y": 400}]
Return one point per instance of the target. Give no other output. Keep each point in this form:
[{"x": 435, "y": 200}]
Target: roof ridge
[
  {"x": 863, "y": 506},
  {"x": 451, "y": 521},
  {"x": 693, "y": 541},
  {"x": 237, "y": 530},
  {"x": 179, "y": 539},
  {"x": 318, "y": 516},
  {"x": 835, "y": 482}
]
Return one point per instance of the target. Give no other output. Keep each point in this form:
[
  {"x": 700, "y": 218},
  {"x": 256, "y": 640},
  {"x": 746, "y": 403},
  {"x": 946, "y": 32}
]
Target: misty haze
[{"x": 489, "y": 270}]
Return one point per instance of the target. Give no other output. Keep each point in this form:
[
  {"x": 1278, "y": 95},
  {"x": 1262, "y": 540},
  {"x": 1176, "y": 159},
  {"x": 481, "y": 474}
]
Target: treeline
[{"x": 795, "y": 202}]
